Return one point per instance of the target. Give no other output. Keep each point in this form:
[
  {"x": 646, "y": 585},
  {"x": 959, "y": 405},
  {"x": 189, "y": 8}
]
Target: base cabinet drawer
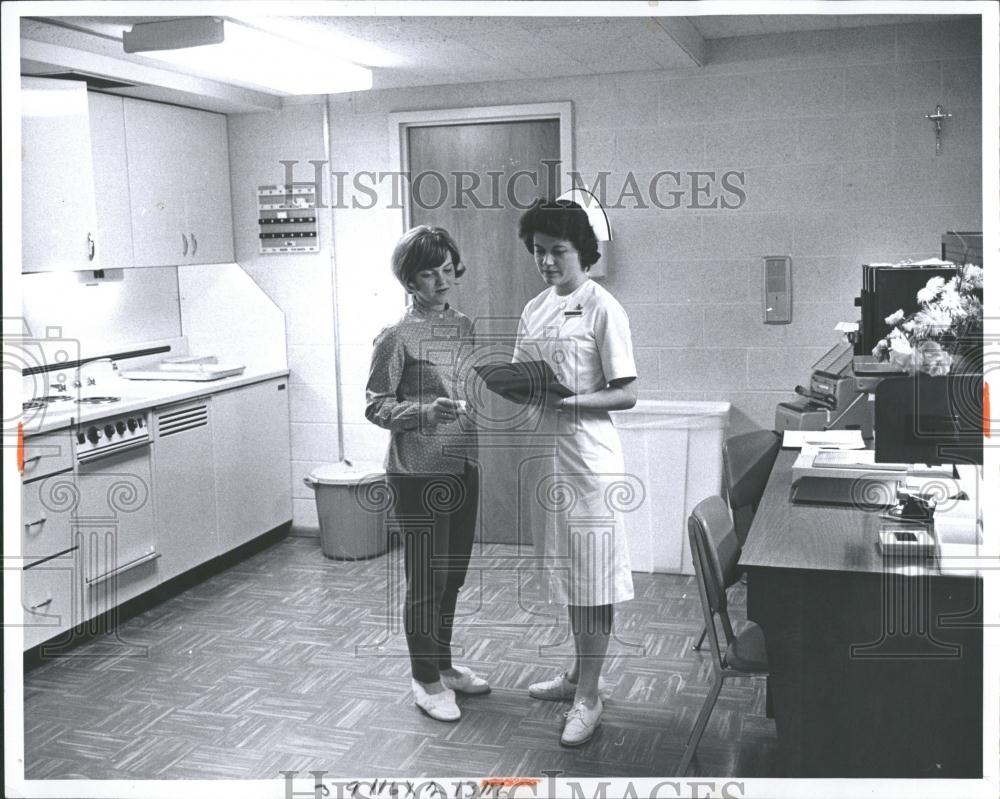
[
  {"x": 52, "y": 598},
  {"x": 47, "y": 454},
  {"x": 47, "y": 509}
]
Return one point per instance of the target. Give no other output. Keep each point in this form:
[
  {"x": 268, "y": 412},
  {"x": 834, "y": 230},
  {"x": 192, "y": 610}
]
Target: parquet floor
[{"x": 290, "y": 661}]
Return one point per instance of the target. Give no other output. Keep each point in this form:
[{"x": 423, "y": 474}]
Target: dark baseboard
[{"x": 107, "y": 623}]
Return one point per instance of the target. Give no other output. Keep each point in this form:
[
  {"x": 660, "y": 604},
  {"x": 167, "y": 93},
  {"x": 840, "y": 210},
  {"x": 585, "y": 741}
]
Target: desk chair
[
  {"x": 715, "y": 550},
  {"x": 747, "y": 460}
]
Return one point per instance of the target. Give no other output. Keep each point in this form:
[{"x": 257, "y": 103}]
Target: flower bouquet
[{"x": 945, "y": 331}]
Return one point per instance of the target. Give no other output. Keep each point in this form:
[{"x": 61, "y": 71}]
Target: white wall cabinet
[
  {"x": 252, "y": 457},
  {"x": 58, "y": 210},
  {"x": 107, "y": 144},
  {"x": 178, "y": 175},
  {"x": 184, "y": 487}
]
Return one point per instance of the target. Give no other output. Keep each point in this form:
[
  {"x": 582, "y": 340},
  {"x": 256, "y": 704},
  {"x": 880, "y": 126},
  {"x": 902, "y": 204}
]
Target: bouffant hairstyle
[
  {"x": 561, "y": 219},
  {"x": 424, "y": 247}
]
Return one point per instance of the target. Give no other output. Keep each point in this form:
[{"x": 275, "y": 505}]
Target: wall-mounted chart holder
[{"x": 287, "y": 218}]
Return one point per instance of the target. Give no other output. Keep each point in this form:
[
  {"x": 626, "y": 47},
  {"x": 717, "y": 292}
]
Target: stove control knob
[
  {"x": 93, "y": 434},
  {"x": 141, "y": 422},
  {"x": 80, "y": 437},
  {"x": 109, "y": 430},
  {"x": 131, "y": 425},
  {"x": 121, "y": 428}
]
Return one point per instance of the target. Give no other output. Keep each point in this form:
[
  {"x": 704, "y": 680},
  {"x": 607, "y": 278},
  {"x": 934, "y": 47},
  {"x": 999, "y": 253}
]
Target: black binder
[{"x": 524, "y": 383}]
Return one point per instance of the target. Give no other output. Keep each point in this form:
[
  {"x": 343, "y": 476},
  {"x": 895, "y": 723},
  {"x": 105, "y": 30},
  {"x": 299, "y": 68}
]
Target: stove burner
[
  {"x": 97, "y": 400},
  {"x": 43, "y": 402}
]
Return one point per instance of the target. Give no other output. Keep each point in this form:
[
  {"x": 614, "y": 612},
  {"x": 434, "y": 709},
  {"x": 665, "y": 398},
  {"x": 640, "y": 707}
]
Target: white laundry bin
[
  {"x": 675, "y": 450},
  {"x": 351, "y": 500}
]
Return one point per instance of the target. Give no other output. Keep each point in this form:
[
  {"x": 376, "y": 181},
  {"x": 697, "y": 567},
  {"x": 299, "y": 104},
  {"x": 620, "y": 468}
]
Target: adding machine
[{"x": 833, "y": 400}]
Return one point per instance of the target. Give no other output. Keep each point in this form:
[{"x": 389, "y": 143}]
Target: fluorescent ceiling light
[
  {"x": 313, "y": 32},
  {"x": 256, "y": 59}
]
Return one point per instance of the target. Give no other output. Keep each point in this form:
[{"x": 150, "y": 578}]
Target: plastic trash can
[
  {"x": 351, "y": 501},
  {"x": 675, "y": 450}
]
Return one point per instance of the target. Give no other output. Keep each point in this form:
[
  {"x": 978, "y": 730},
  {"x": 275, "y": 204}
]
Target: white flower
[
  {"x": 932, "y": 321},
  {"x": 950, "y": 300},
  {"x": 899, "y": 343},
  {"x": 931, "y": 358},
  {"x": 895, "y": 318},
  {"x": 972, "y": 276},
  {"x": 931, "y": 290}
]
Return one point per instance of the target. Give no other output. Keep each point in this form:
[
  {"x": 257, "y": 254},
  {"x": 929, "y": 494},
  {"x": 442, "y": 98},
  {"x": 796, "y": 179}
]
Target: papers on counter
[{"x": 823, "y": 439}]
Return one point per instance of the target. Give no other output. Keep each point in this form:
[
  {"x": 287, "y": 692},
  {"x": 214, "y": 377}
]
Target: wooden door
[{"x": 500, "y": 278}]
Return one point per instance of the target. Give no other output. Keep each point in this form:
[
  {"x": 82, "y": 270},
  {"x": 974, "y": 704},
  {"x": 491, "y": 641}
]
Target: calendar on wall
[{"x": 287, "y": 218}]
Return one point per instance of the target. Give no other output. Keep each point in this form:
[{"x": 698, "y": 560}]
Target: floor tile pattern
[{"x": 291, "y": 661}]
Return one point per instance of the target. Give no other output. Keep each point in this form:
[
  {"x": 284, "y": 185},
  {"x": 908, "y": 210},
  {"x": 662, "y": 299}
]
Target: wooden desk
[{"x": 876, "y": 667}]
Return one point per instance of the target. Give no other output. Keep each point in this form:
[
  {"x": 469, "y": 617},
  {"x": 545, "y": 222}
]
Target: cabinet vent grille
[{"x": 171, "y": 422}]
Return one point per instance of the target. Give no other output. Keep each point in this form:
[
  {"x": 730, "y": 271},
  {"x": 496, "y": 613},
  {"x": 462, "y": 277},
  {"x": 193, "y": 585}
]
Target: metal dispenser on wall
[{"x": 598, "y": 221}]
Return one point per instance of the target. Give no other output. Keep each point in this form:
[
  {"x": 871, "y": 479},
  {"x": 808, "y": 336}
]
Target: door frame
[{"x": 401, "y": 121}]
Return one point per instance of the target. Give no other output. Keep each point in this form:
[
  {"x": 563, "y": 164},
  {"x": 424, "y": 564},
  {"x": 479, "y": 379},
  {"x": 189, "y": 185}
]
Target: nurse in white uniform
[{"x": 582, "y": 332}]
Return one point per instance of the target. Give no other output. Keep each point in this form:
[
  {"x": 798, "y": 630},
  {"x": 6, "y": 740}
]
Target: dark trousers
[{"x": 436, "y": 515}]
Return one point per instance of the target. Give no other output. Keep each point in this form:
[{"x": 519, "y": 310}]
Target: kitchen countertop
[{"x": 136, "y": 395}]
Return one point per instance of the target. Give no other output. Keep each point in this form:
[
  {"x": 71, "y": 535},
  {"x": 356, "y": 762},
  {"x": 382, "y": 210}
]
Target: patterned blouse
[{"x": 425, "y": 355}]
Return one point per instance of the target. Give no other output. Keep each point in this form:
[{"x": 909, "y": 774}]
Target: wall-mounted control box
[{"x": 777, "y": 289}]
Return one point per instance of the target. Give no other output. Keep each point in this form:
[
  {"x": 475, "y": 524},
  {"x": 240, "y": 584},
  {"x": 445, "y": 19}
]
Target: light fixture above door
[{"x": 231, "y": 52}]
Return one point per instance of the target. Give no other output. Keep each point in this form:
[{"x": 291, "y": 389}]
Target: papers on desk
[
  {"x": 847, "y": 464},
  {"x": 854, "y": 463},
  {"x": 826, "y": 439}
]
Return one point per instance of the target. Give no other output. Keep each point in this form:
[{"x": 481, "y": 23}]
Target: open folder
[{"x": 524, "y": 383}]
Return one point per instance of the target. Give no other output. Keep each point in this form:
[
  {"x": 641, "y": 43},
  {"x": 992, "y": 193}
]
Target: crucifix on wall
[{"x": 938, "y": 118}]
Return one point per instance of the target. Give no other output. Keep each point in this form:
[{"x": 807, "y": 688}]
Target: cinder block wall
[
  {"x": 840, "y": 168},
  {"x": 301, "y": 284}
]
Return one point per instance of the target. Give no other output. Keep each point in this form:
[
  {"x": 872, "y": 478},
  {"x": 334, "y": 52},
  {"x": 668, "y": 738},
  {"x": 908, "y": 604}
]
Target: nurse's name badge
[{"x": 569, "y": 313}]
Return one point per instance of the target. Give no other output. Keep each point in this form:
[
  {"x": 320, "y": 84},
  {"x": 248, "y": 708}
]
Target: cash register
[{"x": 832, "y": 401}]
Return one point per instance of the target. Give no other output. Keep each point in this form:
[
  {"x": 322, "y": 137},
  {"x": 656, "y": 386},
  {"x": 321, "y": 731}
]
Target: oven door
[{"x": 115, "y": 528}]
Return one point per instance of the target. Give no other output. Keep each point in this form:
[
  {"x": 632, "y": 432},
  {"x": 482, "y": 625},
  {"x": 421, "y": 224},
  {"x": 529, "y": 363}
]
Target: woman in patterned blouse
[{"x": 416, "y": 389}]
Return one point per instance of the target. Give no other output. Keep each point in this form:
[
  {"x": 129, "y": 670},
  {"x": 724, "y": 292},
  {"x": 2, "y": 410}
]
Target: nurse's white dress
[{"x": 585, "y": 338}]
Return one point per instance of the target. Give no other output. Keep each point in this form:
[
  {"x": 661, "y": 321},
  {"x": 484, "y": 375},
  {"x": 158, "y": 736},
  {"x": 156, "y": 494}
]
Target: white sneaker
[
  {"x": 581, "y": 721},
  {"x": 440, "y": 706},
  {"x": 559, "y": 688},
  {"x": 466, "y": 682}
]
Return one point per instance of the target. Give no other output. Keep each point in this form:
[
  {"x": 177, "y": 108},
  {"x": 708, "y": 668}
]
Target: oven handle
[
  {"x": 147, "y": 558},
  {"x": 91, "y": 457}
]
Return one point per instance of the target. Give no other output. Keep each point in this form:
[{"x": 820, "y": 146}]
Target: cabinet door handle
[
  {"x": 185, "y": 238},
  {"x": 29, "y": 525},
  {"x": 91, "y": 247},
  {"x": 194, "y": 242},
  {"x": 41, "y": 604}
]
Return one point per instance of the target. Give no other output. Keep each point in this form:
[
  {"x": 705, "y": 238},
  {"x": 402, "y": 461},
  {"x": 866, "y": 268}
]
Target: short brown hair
[{"x": 424, "y": 247}]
